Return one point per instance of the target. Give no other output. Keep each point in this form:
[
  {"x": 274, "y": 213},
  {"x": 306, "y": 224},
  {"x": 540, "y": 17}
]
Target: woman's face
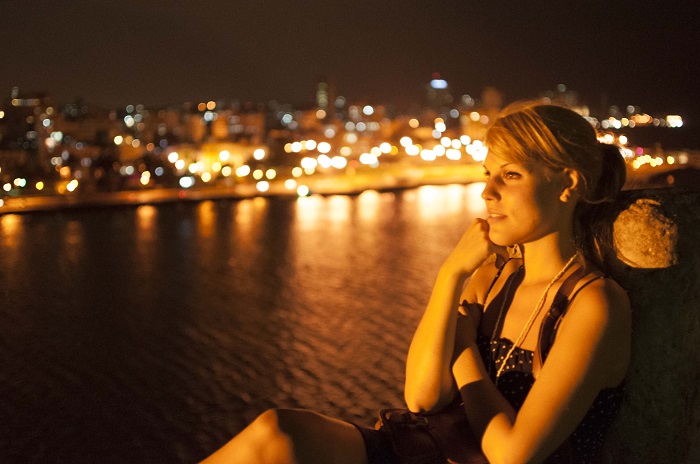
[{"x": 523, "y": 201}]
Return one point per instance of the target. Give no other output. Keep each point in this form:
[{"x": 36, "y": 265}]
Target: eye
[
  {"x": 487, "y": 174},
  {"x": 512, "y": 175}
]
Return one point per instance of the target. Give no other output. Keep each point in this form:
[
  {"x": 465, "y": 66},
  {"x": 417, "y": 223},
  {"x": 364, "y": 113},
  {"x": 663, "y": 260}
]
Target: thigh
[
  {"x": 322, "y": 439},
  {"x": 294, "y": 436}
]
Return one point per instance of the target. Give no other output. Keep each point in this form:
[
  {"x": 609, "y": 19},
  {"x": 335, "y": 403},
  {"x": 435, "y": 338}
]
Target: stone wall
[{"x": 657, "y": 261}]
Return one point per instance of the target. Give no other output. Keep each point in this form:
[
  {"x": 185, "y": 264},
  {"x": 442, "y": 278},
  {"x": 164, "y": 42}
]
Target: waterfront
[
  {"x": 154, "y": 333},
  {"x": 664, "y": 169}
]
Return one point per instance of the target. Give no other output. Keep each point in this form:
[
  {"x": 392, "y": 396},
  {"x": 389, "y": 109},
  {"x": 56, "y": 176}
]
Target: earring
[{"x": 564, "y": 197}]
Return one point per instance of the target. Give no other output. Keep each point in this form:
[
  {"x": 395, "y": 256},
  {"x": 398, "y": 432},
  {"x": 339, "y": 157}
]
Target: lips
[{"x": 495, "y": 217}]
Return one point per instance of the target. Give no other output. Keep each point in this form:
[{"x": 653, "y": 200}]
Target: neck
[{"x": 544, "y": 258}]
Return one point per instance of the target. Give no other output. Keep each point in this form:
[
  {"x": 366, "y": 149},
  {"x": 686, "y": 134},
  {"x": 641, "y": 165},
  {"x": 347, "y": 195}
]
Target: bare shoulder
[
  {"x": 601, "y": 299},
  {"x": 477, "y": 286},
  {"x": 600, "y": 315}
]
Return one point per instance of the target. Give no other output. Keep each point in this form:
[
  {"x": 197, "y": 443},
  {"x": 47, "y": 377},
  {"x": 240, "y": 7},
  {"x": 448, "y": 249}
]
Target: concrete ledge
[{"x": 658, "y": 258}]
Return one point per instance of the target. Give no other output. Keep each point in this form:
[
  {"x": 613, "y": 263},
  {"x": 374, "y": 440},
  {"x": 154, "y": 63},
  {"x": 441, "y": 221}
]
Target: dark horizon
[{"x": 113, "y": 54}]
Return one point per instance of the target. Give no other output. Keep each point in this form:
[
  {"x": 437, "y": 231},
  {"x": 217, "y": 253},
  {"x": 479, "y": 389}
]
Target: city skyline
[{"x": 114, "y": 54}]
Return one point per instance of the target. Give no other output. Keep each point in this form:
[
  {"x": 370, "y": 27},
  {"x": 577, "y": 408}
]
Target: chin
[{"x": 500, "y": 240}]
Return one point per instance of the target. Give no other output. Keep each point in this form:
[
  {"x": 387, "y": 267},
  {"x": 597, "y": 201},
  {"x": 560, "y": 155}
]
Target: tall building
[
  {"x": 438, "y": 92},
  {"x": 325, "y": 96}
]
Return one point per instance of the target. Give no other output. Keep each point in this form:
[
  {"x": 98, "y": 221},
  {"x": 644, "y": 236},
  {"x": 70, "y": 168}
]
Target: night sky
[{"x": 155, "y": 53}]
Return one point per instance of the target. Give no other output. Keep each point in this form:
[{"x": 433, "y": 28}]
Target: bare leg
[{"x": 293, "y": 436}]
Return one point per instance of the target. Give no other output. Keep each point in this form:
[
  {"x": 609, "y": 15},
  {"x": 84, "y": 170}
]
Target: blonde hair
[{"x": 559, "y": 138}]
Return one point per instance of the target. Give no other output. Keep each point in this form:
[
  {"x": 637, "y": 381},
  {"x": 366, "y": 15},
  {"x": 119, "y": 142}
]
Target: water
[{"x": 153, "y": 334}]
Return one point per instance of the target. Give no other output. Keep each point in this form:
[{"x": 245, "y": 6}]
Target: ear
[{"x": 572, "y": 181}]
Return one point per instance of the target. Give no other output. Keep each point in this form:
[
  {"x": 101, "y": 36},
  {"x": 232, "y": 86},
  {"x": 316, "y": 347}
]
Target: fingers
[{"x": 474, "y": 248}]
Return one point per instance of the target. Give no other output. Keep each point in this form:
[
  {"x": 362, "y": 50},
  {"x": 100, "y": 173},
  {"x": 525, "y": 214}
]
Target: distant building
[
  {"x": 476, "y": 121},
  {"x": 438, "y": 93},
  {"x": 23, "y": 128}
]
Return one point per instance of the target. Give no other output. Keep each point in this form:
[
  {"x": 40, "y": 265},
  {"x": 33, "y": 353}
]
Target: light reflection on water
[{"x": 155, "y": 333}]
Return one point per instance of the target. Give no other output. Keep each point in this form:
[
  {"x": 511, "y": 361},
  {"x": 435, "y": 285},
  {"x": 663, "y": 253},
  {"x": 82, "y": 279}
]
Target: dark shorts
[{"x": 377, "y": 446}]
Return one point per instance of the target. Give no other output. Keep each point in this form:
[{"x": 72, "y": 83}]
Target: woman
[{"x": 545, "y": 172}]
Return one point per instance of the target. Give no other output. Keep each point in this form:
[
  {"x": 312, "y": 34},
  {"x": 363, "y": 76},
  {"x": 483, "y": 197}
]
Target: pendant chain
[{"x": 533, "y": 316}]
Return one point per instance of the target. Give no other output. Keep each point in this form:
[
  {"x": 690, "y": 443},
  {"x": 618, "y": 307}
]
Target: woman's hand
[{"x": 473, "y": 249}]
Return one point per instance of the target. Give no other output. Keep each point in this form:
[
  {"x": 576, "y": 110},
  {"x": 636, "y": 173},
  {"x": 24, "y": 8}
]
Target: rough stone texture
[
  {"x": 658, "y": 259},
  {"x": 644, "y": 237}
]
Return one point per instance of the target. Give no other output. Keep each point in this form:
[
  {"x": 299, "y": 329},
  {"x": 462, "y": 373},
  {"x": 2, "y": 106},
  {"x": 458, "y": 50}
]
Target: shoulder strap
[
  {"x": 498, "y": 274},
  {"x": 556, "y": 312},
  {"x": 493, "y": 282}
]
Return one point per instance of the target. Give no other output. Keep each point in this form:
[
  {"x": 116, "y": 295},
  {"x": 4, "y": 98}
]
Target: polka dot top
[{"x": 515, "y": 383}]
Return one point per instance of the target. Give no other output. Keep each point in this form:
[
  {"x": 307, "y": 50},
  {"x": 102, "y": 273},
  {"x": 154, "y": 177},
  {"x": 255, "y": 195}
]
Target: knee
[
  {"x": 279, "y": 422},
  {"x": 265, "y": 440},
  {"x": 267, "y": 424}
]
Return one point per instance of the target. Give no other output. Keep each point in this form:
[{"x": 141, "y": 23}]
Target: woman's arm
[
  {"x": 429, "y": 380},
  {"x": 591, "y": 352}
]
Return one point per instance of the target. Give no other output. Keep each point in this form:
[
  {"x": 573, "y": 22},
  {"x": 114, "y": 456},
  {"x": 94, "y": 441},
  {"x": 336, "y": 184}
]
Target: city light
[
  {"x": 186, "y": 182},
  {"x": 243, "y": 171},
  {"x": 412, "y": 150},
  {"x": 339, "y": 162},
  {"x": 324, "y": 161},
  {"x": 332, "y": 145},
  {"x": 438, "y": 84},
  {"x": 453, "y": 154},
  {"x": 309, "y": 163},
  {"x": 674, "y": 121},
  {"x": 427, "y": 155}
]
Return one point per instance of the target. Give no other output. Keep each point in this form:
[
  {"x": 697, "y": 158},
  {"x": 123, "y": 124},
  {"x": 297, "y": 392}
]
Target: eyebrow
[{"x": 483, "y": 165}]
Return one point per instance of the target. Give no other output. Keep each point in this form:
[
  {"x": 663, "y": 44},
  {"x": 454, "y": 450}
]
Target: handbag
[
  {"x": 432, "y": 438},
  {"x": 445, "y": 436}
]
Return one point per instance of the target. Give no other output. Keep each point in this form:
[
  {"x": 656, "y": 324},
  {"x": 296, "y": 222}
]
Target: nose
[{"x": 490, "y": 192}]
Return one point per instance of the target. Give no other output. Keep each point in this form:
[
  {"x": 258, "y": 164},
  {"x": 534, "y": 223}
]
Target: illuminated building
[
  {"x": 23, "y": 128},
  {"x": 438, "y": 95},
  {"x": 476, "y": 121}
]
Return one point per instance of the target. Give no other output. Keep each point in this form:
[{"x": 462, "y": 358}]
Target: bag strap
[
  {"x": 551, "y": 321},
  {"x": 495, "y": 279}
]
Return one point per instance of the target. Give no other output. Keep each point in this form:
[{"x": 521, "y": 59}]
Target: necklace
[{"x": 533, "y": 316}]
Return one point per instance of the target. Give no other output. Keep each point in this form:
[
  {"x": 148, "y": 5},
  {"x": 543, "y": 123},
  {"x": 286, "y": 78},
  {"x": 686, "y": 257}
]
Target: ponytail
[
  {"x": 595, "y": 213},
  {"x": 613, "y": 174}
]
